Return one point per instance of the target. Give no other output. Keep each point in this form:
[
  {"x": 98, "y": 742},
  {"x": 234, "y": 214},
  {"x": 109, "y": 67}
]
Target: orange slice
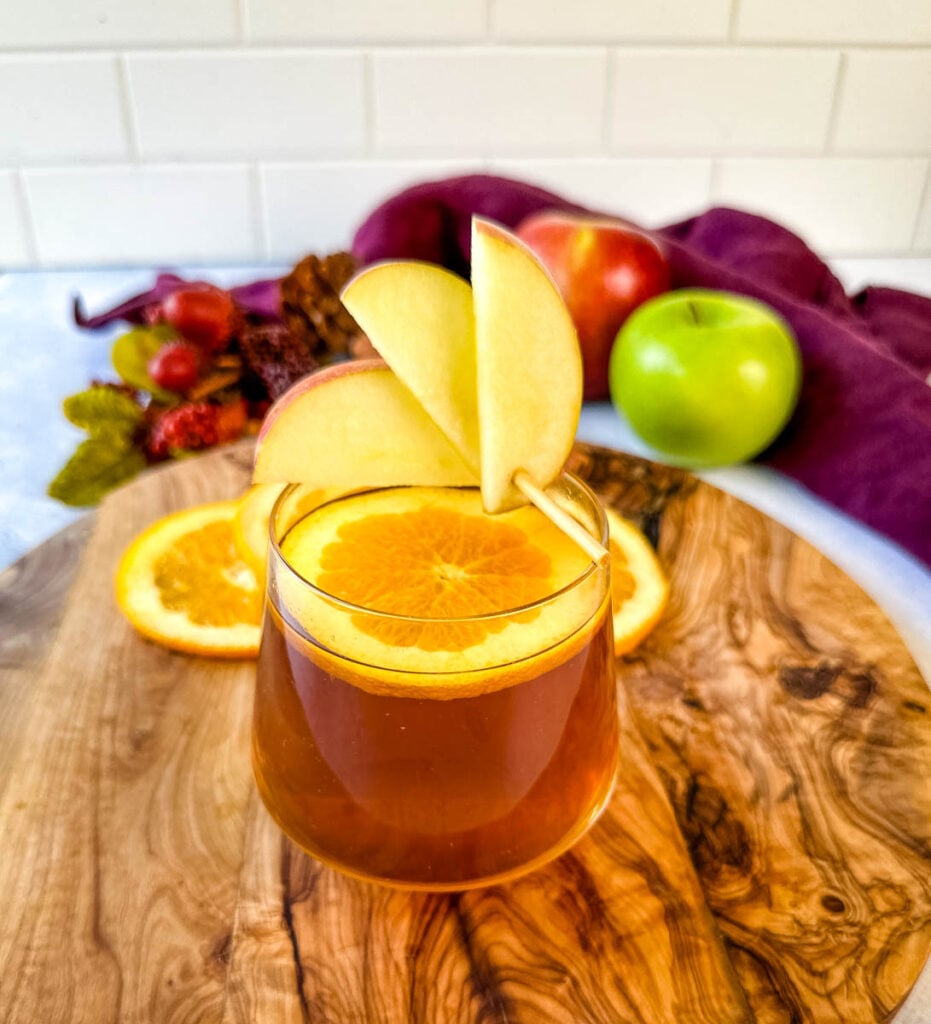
[
  {"x": 250, "y": 525},
  {"x": 439, "y": 580},
  {"x": 183, "y": 584},
  {"x": 638, "y": 587}
]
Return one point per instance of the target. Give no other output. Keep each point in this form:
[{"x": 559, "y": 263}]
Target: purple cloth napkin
[
  {"x": 258, "y": 299},
  {"x": 861, "y": 435}
]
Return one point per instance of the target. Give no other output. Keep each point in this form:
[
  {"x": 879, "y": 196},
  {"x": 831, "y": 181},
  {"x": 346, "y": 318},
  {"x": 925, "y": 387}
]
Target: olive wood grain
[
  {"x": 32, "y": 602},
  {"x": 765, "y": 855},
  {"x": 793, "y": 733}
]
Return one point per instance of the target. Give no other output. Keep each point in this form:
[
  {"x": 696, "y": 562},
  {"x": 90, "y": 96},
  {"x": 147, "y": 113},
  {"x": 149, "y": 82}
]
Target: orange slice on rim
[
  {"x": 183, "y": 583},
  {"x": 250, "y": 525},
  {"x": 638, "y": 586},
  {"x": 442, "y": 585}
]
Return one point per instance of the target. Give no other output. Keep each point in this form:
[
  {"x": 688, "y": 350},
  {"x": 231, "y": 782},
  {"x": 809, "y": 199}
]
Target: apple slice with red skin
[
  {"x": 355, "y": 425},
  {"x": 496, "y": 367},
  {"x": 359, "y": 425},
  {"x": 528, "y": 366},
  {"x": 604, "y": 270},
  {"x": 419, "y": 318}
]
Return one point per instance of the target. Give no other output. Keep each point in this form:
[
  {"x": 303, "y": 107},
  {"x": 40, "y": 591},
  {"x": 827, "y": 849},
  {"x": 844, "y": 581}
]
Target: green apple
[{"x": 705, "y": 377}]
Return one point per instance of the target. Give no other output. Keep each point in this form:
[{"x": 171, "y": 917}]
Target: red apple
[{"x": 604, "y": 269}]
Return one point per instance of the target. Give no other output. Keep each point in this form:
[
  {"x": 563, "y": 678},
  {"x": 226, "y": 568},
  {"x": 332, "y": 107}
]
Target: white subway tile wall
[
  {"x": 334, "y": 197},
  {"x": 62, "y": 107},
  {"x": 14, "y": 238},
  {"x": 722, "y": 100},
  {"x": 834, "y": 21},
  {"x": 223, "y": 104},
  {"x": 651, "y": 191},
  {"x": 479, "y": 102},
  {"x": 43, "y": 24},
  {"x": 153, "y": 214},
  {"x": 601, "y": 21},
  {"x": 842, "y": 205},
  {"x": 349, "y": 21},
  {"x": 923, "y": 231},
  {"x": 885, "y": 101},
  {"x": 227, "y": 131}
]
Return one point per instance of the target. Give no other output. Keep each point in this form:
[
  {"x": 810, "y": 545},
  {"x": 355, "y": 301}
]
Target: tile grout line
[
  {"x": 732, "y": 20},
  {"x": 924, "y": 198},
  {"x": 368, "y": 102},
  {"x": 636, "y": 154},
  {"x": 235, "y": 45},
  {"x": 260, "y": 224},
  {"x": 714, "y": 180},
  {"x": 29, "y": 224},
  {"x": 243, "y": 26},
  {"x": 607, "y": 114},
  {"x": 830, "y": 139},
  {"x": 633, "y": 154},
  {"x": 127, "y": 107}
]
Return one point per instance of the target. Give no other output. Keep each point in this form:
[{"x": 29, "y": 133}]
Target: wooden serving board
[{"x": 766, "y": 856}]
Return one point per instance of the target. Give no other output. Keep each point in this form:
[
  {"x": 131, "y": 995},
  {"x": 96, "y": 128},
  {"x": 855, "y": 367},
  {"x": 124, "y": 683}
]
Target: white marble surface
[{"x": 43, "y": 358}]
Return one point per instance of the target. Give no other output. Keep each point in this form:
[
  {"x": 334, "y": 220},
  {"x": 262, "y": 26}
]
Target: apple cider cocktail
[{"x": 435, "y": 704}]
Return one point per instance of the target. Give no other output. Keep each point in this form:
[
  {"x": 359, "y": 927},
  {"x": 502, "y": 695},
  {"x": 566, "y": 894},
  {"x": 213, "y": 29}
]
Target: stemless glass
[{"x": 440, "y": 780}]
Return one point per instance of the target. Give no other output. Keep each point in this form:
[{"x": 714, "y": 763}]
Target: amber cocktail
[{"x": 435, "y": 705}]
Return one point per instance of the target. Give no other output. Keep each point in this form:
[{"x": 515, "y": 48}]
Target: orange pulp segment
[
  {"x": 183, "y": 584},
  {"x": 433, "y": 590},
  {"x": 638, "y": 586}
]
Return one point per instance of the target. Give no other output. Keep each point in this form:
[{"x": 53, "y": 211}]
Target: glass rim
[{"x": 591, "y": 569}]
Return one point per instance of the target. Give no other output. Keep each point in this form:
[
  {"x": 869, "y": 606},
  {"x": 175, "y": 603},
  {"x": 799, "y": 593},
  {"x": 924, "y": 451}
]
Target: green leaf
[
  {"x": 104, "y": 413},
  {"x": 97, "y": 466},
  {"x": 131, "y": 354}
]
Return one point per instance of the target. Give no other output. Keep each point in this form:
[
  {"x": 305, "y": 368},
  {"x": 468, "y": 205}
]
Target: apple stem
[{"x": 559, "y": 517}]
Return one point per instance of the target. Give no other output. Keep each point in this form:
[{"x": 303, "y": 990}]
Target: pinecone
[{"x": 310, "y": 297}]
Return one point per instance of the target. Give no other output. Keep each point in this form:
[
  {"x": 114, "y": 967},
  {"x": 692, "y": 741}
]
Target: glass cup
[{"x": 461, "y": 776}]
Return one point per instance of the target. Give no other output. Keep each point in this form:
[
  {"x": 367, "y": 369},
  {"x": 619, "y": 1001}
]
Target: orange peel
[
  {"x": 639, "y": 589},
  {"x": 183, "y": 584}
]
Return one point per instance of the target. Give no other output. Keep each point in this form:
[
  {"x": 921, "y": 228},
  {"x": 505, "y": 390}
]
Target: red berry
[
  {"x": 175, "y": 366},
  {"x": 202, "y": 313},
  {"x": 187, "y": 427}
]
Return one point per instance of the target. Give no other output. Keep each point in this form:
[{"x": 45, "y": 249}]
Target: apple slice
[
  {"x": 419, "y": 317},
  {"x": 355, "y": 425},
  {"x": 529, "y": 367}
]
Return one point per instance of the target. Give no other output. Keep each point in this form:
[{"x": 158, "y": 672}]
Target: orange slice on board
[
  {"x": 435, "y": 575},
  {"x": 183, "y": 583},
  {"x": 639, "y": 589}
]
